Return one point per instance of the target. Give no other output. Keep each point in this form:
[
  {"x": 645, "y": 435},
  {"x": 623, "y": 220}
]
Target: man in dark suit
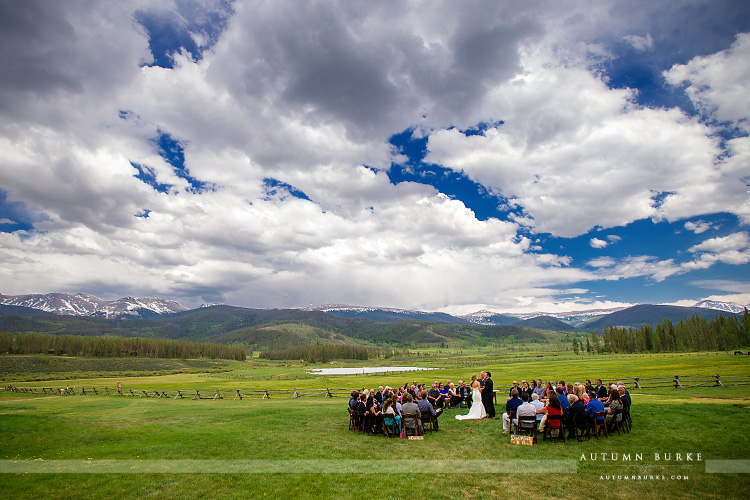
[
  {"x": 488, "y": 396},
  {"x": 379, "y": 395}
]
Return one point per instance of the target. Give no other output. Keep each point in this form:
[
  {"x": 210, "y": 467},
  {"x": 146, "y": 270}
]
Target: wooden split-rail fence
[
  {"x": 635, "y": 383},
  {"x": 181, "y": 393}
]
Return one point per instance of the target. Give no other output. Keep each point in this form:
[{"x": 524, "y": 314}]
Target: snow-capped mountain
[
  {"x": 83, "y": 304},
  {"x": 730, "y": 307},
  {"x": 485, "y": 317},
  {"x": 571, "y": 317}
]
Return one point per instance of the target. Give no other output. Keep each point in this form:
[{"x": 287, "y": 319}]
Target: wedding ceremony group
[{"x": 550, "y": 409}]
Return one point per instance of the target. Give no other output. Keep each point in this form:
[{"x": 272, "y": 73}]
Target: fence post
[
  {"x": 238, "y": 395},
  {"x": 718, "y": 382},
  {"x": 266, "y": 394},
  {"x": 296, "y": 393},
  {"x": 637, "y": 384},
  {"x": 677, "y": 381},
  {"x": 328, "y": 393}
]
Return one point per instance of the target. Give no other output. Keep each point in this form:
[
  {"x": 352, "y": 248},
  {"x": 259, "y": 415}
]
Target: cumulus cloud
[
  {"x": 717, "y": 84},
  {"x": 733, "y": 249},
  {"x": 597, "y": 243},
  {"x": 698, "y": 227}
]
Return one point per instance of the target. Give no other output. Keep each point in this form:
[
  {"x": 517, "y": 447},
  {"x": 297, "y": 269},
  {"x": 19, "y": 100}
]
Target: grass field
[{"x": 117, "y": 447}]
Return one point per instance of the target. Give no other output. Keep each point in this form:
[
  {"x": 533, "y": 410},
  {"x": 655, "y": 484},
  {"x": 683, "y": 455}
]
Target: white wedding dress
[{"x": 477, "y": 410}]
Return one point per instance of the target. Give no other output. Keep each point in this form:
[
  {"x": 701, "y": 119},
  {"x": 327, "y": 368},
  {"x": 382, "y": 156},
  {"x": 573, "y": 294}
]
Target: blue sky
[{"x": 429, "y": 155}]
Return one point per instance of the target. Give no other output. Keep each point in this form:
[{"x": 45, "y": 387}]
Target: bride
[{"x": 477, "y": 410}]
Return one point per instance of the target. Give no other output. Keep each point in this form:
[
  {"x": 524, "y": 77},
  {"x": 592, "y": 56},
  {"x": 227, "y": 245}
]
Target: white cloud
[
  {"x": 7, "y": 221},
  {"x": 733, "y": 249},
  {"x": 640, "y": 43},
  {"x": 576, "y": 154},
  {"x": 602, "y": 262},
  {"x": 718, "y": 84},
  {"x": 698, "y": 227},
  {"x": 597, "y": 243}
]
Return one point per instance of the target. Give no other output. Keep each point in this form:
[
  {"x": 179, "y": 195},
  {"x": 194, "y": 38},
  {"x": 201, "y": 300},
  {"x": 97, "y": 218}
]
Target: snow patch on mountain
[
  {"x": 83, "y": 304},
  {"x": 730, "y": 307}
]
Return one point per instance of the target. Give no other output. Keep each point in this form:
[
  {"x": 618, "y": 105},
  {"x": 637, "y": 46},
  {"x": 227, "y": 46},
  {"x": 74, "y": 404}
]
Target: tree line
[
  {"x": 323, "y": 353},
  {"x": 114, "y": 347},
  {"x": 691, "y": 334}
]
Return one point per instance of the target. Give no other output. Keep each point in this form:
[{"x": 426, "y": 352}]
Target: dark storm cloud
[{"x": 35, "y": 38}]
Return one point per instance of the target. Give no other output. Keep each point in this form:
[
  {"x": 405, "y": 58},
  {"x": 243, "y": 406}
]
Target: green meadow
[{"x": 98, "y": 446}]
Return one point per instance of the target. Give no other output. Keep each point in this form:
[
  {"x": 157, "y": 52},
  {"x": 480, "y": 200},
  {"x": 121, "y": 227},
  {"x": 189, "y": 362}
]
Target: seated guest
[
  {"x": 614, "y": 405},
  {"x": 372, "y": 415},
  {"x": 562, "y": 384},
  {"x": 579, "y": 393},
  {"x": 412, "y": 392},
  {"x": 624, "y": 396},
  {"x": 539, "y": 389},
  {"x": 454, "y": 396},
  {"x": 434, "y": 397},
  {"x": 409, "y": 407},
  {"x": 538, "y": 405},
  {"x": 510, "y": 407},
  {"x": 553, "y": 408},
  {"x": 526, "y": 409},
  {"x": 601, "y": 390},
  {"x": 379, "y": 396},
  {"x": 588, "y": 387},
  {"x": 526, "y": 389},
  {"x": 354, "y": 400},
  {"x": 562, "y": 399},
  {"x": 549, "y": 389},
  {"x": 444, "y": 398},
  {"x": 594, "y": 406},
  {"x": 426, "y": 408},
  {"x": 362, "y": 405},
  {"x": 515, "y": 387},
  {"x": 389, "y": 414},
  {"x": 576, "y": 408},
  {"x": 465, "y": 393},
  {"x": 569, "y": 389}
]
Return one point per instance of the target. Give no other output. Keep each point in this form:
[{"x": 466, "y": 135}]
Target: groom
[{"x": 488, "y": 395}]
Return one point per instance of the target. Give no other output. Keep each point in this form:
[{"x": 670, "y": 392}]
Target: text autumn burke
[{"x": 638, "y": 457}]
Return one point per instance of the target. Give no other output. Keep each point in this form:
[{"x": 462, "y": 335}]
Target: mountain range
[{"x": 86, "y": 305}]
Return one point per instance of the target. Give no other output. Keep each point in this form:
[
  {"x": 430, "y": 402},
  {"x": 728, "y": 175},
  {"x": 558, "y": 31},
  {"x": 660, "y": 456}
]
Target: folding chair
[
  {"x": 527, "y": 424},
  {"x": 429, "y": 420},
  {"x": 599, "y": 424},
  {"x": 578, "y": 432},
  {"x": 548, "y": 429},
  {"x": 417, "y": 419},
  {"x": 390, "y": 426}
]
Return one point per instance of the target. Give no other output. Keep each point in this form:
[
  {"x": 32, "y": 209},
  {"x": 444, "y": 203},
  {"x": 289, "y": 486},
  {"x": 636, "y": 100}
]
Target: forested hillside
[{"x": 270, "y": 328}]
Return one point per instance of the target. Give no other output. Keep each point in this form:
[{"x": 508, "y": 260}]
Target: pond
[{"x": 366, "y": 369}]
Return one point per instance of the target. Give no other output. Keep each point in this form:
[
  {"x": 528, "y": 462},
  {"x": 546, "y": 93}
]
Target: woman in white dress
[{"x": 477, "y": 410}]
